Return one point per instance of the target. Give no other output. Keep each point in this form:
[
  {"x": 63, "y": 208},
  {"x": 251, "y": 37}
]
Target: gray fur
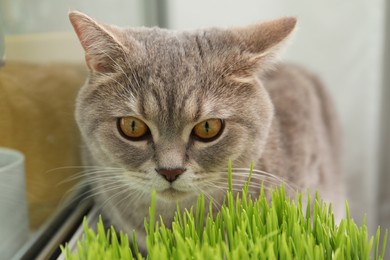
[{"x": 172, "y": 80}]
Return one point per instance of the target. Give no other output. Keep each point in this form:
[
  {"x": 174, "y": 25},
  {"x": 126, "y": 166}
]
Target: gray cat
[{"x": 167, "y": 110}]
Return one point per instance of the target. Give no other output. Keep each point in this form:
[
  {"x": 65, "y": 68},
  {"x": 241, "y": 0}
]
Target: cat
[{"x": 166, "y": 110}]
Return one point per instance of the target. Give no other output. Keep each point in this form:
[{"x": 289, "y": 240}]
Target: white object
[{"x": 13, "y": 207}]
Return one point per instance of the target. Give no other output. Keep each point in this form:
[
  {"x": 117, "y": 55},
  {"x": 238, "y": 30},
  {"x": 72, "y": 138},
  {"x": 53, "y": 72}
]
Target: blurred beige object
[
  {"x": 36, "y": 118},
  {"x": 43, "y": 48}
]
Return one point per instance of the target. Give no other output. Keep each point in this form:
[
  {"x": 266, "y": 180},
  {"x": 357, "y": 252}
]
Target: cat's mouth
[{"x": 172, "y": 193}]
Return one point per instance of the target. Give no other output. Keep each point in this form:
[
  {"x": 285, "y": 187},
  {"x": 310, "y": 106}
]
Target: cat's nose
[{"x": 170, "y": 174}]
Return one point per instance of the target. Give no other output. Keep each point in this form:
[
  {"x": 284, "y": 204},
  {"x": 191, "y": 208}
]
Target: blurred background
[{"x": 345, "y": 42}]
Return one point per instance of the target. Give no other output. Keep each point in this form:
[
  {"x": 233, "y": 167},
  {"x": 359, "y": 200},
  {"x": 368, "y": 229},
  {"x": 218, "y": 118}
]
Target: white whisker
[{"x": 215, "y": 203}]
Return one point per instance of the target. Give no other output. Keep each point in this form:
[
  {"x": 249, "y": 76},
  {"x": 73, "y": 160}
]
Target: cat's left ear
[
  {"x": 265, "y": 40},
  {"x": 104, "y": 51}
]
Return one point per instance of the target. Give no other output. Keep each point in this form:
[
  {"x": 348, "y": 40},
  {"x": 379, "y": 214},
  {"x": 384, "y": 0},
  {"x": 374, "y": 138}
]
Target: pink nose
[{"x": 170, "y": 174}]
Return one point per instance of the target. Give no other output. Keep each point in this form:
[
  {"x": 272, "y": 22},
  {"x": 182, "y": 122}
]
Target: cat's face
[{"x": 170, "y": 109}]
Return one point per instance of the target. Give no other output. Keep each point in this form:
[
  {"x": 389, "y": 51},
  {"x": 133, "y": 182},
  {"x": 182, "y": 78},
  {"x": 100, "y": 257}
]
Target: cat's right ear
[{"x": 104, "y": 51}]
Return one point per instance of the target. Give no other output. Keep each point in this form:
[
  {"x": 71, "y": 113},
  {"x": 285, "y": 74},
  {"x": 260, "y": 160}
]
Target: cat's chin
[{"x": 173, "y": 194}]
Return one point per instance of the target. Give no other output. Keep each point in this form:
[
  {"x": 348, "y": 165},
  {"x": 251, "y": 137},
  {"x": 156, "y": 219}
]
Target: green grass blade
[{"x": 384, "y": 244}]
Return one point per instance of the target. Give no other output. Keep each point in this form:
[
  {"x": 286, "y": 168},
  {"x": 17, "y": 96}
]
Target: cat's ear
[
  {"x": 265, "y": 40},
  {"x": 104, "y": 51}
]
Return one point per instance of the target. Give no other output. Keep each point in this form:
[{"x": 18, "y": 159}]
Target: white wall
[
  {"x": 40, "y": 31},
  {"x": 42, "y": 16},
  {"x": 343, "y": 42},
  {"x": 384, "y": 179}
]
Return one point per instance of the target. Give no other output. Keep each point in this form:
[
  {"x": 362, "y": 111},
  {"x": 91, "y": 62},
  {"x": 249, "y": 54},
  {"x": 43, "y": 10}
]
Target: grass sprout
[{"x": 244, "y": 228}]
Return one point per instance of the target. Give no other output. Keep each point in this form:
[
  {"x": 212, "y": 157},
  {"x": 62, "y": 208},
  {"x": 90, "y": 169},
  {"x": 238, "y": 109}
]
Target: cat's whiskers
[
  {"x": 258, "y": 174},
  {"x": 127, "y": 194},
  {"x": 130, "y": 198},
  {"x": 87, "y": 170},
  {"x": 238, "y": 187},
  {"x": 138, "y": 184},
  {"x": 80, "y": 167},
  {"x": 94, "y": 192},
  {"x": 95, "y": 187},
  {"x": 84, "y": 168},
  {"x": 111, "y": 198},
  {"x": 258, "y": 179},
  {"x": 215, "y": 203},
  {"x": 87, "y": 176},
  {"x": 94, "y": 177},
  {"x": 109, "y": 185},
  {"x": 83, "y": 178},
  {"x": 209, "y": 181},
  {"x": 96, "y": 172},
  {"x": 108, "y": 177},
  {"x": 91, "y": 192},
  {"x": 242, "y": 179}
]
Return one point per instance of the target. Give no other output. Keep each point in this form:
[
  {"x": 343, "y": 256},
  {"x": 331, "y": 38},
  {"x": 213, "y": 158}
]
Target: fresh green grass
[{"x": 245, "y": 228}]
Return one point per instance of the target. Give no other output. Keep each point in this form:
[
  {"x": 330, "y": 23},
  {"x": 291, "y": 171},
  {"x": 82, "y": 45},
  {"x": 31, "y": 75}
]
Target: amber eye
[
  {"x": 208, "y": 130},
  {"x": 133, "y": 128}
]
